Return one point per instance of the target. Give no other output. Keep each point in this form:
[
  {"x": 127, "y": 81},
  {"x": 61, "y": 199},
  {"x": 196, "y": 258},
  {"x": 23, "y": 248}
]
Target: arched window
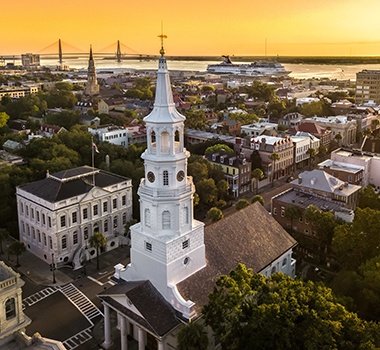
[
  {"x": 284, "y": 262},
  {"x": 85, "y": 233},
  {"x": 95, "y": 228},
  {"x": 115, "y": 222},
  {"x": 176, "y": 136},
  {"x": 273, "y": 270},
  {"x": 185, "y": 215},
  {"x": 147, "y": 217},
  {"x": 75, "y": 237},
  {"x": 165, "y": 142},
  {"x": 165, "y": 176},
  {"x": 10, "y": 308},
  {"x": 166, "y": 220},
  {"x": 64, "y": 242},
  {"x": 152, "y": 137}
]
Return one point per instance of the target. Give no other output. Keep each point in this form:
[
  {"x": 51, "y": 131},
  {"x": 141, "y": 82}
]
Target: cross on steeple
[{"x": 162, "y": 37}]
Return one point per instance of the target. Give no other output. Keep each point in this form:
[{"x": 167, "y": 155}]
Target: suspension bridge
[{"x": 60, "y": 51}]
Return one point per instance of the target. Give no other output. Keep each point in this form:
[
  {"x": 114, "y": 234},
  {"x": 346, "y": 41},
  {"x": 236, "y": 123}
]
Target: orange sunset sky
[{"x": 195, "y": 27}]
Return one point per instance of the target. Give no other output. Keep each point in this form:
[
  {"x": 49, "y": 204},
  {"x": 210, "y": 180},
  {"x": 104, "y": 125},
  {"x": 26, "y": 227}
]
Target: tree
[
  {"x": 257, "y": 198},
  {"x": 4, "y": 234},
  {"x": 274, "y": 158},
  {"x": 258, "y": 175},
  {"x": 242, "y": 203},
  {"x": 256, "y": 160},
  {"x": 323, "y": 224},
  {"x": 219, "y": 147},
  {"x": 368, "y": 198},
  {"x": 292, "y": 212},
  {"x": 311, "y": 152},
  {"x": 214, "y": 214},
  {"x": 251, "y": 311},
  {"x": 196, "y": 119},
  {"x": 354, "y": 243},
  {"x": 97, "y": 241},
  {"x": 16, "y": 248},
  {"x": 314, "y": 108},
  {"x": 4, "y": 117},
  {"x": 193, "y": 337}
]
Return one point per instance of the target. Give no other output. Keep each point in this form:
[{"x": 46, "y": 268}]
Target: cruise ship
[{"x": 258, "y": 68}]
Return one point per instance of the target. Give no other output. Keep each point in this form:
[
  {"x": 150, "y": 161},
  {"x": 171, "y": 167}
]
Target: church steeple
[
  {"x": 92, "y": 87},
  {"x": 167, "y": 246}
]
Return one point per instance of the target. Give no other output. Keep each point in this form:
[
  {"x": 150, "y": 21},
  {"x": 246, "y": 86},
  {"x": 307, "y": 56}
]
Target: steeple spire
[
  {"x": 164, "y": 110},
  {"x": 91, "y": 57}
]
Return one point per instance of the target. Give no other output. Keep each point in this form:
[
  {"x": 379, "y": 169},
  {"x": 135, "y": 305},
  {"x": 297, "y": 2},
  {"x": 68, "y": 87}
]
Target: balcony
[{"x": 167, "y": 193}]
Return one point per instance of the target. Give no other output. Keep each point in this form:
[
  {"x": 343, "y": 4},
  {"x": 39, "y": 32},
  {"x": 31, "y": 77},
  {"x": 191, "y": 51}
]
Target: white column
[
  {"x": 123, "y": 333},
  {"x": 119, "y": 317},
  {"x": 160, "y": 345},
  {"x": 107, "y": 328},
  {"x": 141, "y": 338}
]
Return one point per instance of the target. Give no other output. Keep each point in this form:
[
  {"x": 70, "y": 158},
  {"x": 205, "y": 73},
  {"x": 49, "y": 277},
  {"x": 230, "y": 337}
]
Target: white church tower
[{"x": 167, "y": 246}]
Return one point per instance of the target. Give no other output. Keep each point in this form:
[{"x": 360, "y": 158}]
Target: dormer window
[{"x": 214, "y": 157}]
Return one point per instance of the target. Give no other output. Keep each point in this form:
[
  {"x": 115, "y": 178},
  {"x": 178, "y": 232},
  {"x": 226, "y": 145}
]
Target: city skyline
[{"x": 242, "y": 27}]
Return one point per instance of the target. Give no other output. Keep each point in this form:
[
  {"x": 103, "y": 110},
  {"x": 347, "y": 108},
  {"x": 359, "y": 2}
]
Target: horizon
[{"x": 242, "y": 28}]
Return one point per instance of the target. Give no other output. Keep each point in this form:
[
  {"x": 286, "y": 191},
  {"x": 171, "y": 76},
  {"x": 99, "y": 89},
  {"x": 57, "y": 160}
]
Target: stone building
[{"x": 58, "y": 214}]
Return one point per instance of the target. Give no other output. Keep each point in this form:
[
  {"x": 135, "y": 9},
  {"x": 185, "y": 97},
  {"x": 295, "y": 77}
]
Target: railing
[
  {"x": 164, "y": 193},
  {"x": 9, "y": 282},
  {"x": 166, "y": 150}
]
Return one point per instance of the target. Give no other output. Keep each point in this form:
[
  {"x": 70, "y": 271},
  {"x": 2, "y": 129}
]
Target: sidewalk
[{"x": 39, "y": 272}]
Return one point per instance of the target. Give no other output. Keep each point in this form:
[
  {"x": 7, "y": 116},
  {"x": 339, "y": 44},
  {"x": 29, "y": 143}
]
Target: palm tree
[
  {"x": 17, "y": 248},
  {"x": 274, "y": 157},
  {"x": 193, "y": 337},
  {"x": 4, "y": 234},
  {"x": 258, "y": 175},
  {"x": 97, "y": 241}
]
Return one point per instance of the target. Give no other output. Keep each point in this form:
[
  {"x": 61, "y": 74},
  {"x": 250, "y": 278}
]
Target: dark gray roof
[
  {"x": 159, "y": 317},
  {"x": 69, "y": 183},
  {"x": 250, "y": 236}
]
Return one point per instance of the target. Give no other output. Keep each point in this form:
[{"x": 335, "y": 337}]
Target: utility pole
[{"x": 52, "y": 267}]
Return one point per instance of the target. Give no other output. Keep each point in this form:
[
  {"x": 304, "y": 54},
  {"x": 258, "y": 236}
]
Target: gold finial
[{"x": 162, "y": 36}]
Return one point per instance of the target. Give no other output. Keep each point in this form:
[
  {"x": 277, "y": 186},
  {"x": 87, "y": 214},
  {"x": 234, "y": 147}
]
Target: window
[
  {"x": 64, "y": 242},
  {"x": 114, "y": 221},
  {"x": 49, "y": 221},
  {"x": 124, "y": 200},
  {"x": 106, "y": 226},
  {"x": 38, "y": 215},
  {"x": 95, "y": 209},
  {"x": 124, "y": 218},
  {"x": 105, "y": 207},
  {"x": 166, "y": 178},
  {"x": 147, "y": 217},
  {"x": 45, "y": 240},
  {"x": 74, "y": 217},
  {"x": 28, "y": 229},
  {"x": 282, "y": 213},
  {"x": 284, "y": 262},
  {"x": 185, "y": 215},
  {"x": 50, "y": 243},
  {"x": 273, "y": 270},
  {"x": 63, "y": 221},
  {"x": 85, "y": 213},
  {"x": 32, "y": 212},
  {"x": 185, "y": 244},
  {"x": 39, "y": 236},
  {"x": 148, "y": 246},
  {"x": 75, "y": 237},
  {"x": 22, "y": 208},
  {"x": 166, "y": 220},
  {"x": 10, "y": 308},
  {"x": 43, "y": 219},
  {"x": 34, "y": 233},
  {"x": 300, "y": 219},
  {"x": 274, "y": 211},
  {"x": 85, "y": 233},
  {"x": 23, "y": 226},
  {"x": 114, "y": 203}
]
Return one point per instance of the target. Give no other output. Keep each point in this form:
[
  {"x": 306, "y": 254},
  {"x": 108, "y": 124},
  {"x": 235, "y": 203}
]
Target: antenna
[{"x": 162, "y": 37}]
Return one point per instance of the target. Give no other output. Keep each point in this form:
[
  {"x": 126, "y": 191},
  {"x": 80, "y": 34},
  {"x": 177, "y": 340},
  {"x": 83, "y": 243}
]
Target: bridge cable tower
[
  {"x": 60, "y": 52},
  {"x": 118, "y": 52}
]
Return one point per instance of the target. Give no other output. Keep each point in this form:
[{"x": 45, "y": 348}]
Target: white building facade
[
  {"x": 117, "y": 135},
  {"x": 58, "y": 215}
]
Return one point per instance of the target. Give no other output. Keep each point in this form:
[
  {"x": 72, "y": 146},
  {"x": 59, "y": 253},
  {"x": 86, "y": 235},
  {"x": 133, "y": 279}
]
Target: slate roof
[
  {"x": 159, "y": 317},
  {"x": 250, "y": 236},
  {"x": 70, "y": 183}
]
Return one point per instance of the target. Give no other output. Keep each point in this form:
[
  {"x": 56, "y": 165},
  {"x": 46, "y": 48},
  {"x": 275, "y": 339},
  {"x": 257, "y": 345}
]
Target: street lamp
[{"x": 52, "y": 267}]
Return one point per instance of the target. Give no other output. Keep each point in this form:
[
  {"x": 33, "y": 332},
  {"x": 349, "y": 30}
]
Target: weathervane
[{"x": 162, "y": 37}]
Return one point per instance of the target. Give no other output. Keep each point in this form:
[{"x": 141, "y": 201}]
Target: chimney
[{"x": 299, "y": 180}]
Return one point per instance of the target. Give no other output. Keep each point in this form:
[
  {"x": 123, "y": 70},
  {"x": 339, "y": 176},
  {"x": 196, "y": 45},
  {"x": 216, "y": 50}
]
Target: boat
[{"x": 258, "y": 68}]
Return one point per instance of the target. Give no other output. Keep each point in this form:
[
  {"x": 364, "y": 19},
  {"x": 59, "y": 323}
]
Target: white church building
[{"x": 175, "y": 260}]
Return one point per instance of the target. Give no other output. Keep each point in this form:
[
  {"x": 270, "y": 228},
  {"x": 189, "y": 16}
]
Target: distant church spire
[{"x": 92, "y": 87}]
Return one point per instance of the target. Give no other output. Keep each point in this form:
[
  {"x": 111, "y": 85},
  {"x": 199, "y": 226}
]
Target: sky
[{"x": 194, "y": 28}]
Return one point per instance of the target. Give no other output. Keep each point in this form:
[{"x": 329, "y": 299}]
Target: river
[{"x": 301, "y": 71}]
